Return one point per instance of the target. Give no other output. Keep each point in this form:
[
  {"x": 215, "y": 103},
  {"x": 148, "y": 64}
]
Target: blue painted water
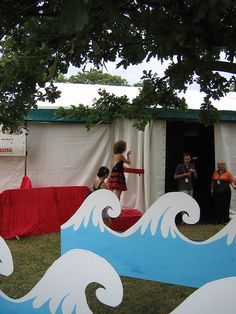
[{"x": 154, "y": 249}]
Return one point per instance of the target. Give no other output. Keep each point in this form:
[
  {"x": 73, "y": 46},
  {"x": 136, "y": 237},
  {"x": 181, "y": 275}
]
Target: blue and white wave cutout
[{"x": 153, "y": 248}]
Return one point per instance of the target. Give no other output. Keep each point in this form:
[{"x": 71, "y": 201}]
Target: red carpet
[{"x": 32, "y": 211}]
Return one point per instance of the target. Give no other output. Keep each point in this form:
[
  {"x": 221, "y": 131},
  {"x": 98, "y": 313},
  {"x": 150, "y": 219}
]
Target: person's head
[
  {"x": 187, "y": 158},
  {"x": 221, "y": 165},
  {"x": 119, "y": 147},
  {"x": 103, "y": 172}
]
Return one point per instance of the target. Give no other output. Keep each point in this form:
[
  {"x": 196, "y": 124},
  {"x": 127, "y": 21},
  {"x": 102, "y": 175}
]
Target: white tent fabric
[
  {"x": 75, "y": 94},
  {"x": 68, "y": 154},
  {"x": 155, "y": 161},
  {"x": 194, "y": 99},
  {"x": 225, "y": 149},
  {"x": 12, "y": 170}
]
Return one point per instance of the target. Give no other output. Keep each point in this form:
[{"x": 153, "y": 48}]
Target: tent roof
[{"x": 75, "y": 94}]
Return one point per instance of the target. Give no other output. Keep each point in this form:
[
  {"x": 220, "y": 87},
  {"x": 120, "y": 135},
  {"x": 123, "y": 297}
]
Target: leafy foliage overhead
[{"x": 40, "y": 39}]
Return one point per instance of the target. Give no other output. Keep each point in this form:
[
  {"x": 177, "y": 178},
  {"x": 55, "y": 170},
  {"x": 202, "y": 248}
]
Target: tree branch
[{"x": 221, "y": 66}]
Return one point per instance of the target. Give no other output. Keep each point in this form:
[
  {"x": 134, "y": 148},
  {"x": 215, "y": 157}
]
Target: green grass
[{"x": 32, "y": 257}]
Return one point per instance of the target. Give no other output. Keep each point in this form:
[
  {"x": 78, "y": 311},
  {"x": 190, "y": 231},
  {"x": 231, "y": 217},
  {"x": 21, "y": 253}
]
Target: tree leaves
[
  {"x": 74, "y": 16},
  {"x": 40, "y": 40},
  {"x": 154, "y": 94},
  {"x": 94, "y": 76}
]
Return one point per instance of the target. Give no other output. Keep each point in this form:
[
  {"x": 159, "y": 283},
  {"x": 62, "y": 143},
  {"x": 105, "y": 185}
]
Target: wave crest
[
  {"x": 163, "y": 213},
  {"x": 214, "y": 297},
  {"x": 229, "y": 231},
  {"x": 93, "y": 207},
  {"x": 64, "y": 283},
  {"x": 6, "y": 262}
]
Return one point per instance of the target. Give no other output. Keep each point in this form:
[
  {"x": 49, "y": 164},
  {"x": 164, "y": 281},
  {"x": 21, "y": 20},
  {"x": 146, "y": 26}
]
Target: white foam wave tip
[{"x": 65, "y": 282}]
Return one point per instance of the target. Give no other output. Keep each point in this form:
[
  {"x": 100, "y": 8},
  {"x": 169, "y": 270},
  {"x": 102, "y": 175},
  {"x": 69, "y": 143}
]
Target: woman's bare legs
[
  {"x": 107, "y": 221},
  {"x": 118, "y": 194}
]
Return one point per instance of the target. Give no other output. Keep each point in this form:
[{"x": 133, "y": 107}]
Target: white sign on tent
[{"x": 12, "y": 144}]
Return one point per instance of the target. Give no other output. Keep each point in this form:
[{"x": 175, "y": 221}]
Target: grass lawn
[{"x": 32, "y": 257}]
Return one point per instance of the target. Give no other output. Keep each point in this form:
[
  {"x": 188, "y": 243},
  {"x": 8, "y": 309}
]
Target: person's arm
[
  {"x": 193, "y": 171},
  {"x": 126, "y": 160},
  {"x": 178, "y": 175},
  {"x": 233, "y": 185},
  {"x": 213, "y": 179},
  {"x": 183, "y": 175},
  {"x": 232, "y": 181},
  {"x": 212, "y": 186}
]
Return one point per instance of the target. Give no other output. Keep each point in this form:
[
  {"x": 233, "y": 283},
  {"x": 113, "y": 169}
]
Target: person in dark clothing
[
  {"x": 184, "y": 174},
  {"x": 99, "y": 183},
  {"x": 102, "y": 175}
]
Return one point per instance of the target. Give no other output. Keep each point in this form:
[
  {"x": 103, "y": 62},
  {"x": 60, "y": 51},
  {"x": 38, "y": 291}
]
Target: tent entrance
[{"x": 198, "y": 140}]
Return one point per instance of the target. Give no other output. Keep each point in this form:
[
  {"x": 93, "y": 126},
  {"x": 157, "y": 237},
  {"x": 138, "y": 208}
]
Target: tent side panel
[
  {"x": 66, "y": 154},
  {"x": 12, "y": 170},
  {"x": 157, "y": 160}
]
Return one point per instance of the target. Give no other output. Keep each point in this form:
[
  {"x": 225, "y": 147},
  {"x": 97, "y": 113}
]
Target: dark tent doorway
[{"x": 198, "y": 140}]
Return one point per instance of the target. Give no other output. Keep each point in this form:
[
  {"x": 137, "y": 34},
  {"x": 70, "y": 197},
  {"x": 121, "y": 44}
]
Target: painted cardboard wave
[
  {"x": 62, "y": 288},
  {"x": 153, "y": 248}
]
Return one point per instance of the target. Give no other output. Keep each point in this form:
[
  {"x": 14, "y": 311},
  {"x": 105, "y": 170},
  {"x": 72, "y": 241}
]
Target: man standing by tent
[{"x": 184, "y": 173}]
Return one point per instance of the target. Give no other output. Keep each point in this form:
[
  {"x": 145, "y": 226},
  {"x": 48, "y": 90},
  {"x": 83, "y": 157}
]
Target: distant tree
[
  {"x": 40, "y": 40},
  {"x": 138, "y": 84},
  {"x": 94, "y": 76},
  {"x": 61, "y": 79}
]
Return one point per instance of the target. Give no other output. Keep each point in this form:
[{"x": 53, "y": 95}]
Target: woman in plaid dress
[{"x": 116, "y": 181}]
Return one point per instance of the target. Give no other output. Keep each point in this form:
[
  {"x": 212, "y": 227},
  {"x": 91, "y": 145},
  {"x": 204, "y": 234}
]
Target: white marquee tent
[
  {"x": 74, "y": 94},
  {"x": 62, "y": 153}
]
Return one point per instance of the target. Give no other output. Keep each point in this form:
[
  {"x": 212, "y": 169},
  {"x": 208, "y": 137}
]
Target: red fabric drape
[
  {"x": 127, "y": 218},
  {"x": 26, "y": 212},
  {"x": 26, "y": 183}
]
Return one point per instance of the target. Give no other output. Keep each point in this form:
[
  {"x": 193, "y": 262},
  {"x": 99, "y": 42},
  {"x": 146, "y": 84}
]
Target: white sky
[{"x": 134, "y": 73}]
